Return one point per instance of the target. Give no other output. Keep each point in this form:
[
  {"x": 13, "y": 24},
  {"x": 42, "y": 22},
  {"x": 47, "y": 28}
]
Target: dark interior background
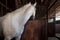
[
  {"x": 42, "y": 7},
  {"x": 44, "y": 11}
]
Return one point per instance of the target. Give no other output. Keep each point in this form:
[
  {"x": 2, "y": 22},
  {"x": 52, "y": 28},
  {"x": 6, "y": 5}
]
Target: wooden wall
[{"x": 34, "y": 30}]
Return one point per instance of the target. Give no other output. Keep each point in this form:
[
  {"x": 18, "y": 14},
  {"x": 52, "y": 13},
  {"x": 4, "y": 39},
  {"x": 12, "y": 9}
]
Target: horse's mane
[{"x": 22, "y": 9}]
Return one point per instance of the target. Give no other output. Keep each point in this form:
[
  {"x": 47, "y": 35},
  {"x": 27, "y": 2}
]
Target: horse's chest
[
  {"x": 17, "y": 26},
  {"x": 19, "y": 31}
]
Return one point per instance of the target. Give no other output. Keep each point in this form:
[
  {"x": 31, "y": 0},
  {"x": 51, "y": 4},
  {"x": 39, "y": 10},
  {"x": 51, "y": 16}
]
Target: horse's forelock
[{"x": 35, "y": 4}]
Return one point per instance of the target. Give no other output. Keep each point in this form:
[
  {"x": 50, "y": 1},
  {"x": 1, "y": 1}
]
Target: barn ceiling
[{"x": 10, "y": 5}]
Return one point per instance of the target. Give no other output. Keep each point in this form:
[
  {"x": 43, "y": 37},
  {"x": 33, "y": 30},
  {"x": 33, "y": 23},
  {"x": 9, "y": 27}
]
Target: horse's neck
[
  {"x": 22, "y": 9},
  {"x": 26, "y": 17},
  {"x": 22, "y": 17}
]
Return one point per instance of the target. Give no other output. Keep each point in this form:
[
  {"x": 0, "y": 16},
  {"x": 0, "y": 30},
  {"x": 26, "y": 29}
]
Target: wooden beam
[
  {"x": 5, "y": 6},
  {"x": 52, "y": 3},
  {"x": 52, "y": 10}
]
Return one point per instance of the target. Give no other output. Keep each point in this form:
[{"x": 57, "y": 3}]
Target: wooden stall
[{"x": 34, "y": 30}]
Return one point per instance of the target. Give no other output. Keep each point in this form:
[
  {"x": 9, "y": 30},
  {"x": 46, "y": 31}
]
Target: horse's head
[
  {"x": 31, "y": 10},
  {"x": 34, "y": 11}
]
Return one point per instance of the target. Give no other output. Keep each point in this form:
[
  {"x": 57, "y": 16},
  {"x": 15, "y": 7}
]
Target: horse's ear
[
  {"x": 30, "y": 3},
  {"x": 35, "y": 4}
]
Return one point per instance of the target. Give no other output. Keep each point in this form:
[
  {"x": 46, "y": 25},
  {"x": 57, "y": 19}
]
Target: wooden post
[{"x": 16, "y": 1}]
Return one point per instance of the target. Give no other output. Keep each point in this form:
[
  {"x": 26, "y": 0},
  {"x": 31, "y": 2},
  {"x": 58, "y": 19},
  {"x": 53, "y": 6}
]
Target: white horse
[{"x": 13, "y": 23}]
